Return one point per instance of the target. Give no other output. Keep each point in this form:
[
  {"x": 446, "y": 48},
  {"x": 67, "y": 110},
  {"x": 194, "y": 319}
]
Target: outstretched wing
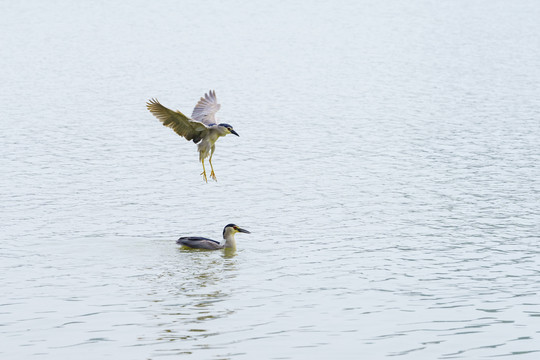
[
  {"x": 180, "y": 123},
  {"x": 206, "y": 109}
]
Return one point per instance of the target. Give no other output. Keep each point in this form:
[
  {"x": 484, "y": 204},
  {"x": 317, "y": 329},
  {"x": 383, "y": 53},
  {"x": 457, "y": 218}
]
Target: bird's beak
[
  {"x": 234, "y": 132},
  {"x": 243, "y": 230}
]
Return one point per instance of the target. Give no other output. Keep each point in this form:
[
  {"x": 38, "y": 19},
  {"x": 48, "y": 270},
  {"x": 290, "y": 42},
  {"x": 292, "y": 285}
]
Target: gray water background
[{"x": 387, "y": 167}]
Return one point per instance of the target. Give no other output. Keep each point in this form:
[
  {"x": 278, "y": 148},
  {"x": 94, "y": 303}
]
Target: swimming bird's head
[
  {"x": 228, "y": 128},
  {"x": 232, "y": 229}
]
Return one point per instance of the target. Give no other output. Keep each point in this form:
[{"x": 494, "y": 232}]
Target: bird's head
[
  {"x": 228, "y": 128},
  {"x": 233, "y": 229}
]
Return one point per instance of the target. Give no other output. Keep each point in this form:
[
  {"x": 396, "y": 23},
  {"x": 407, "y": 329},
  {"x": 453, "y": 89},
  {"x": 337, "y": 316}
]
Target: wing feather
[
  {"x": 197, "y": 242},
  {"x": 180, "y": 123},
  {"x": 206, "y": 109}
]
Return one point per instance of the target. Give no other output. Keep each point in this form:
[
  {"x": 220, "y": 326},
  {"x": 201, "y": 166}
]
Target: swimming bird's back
[{"x": 197, "y": 242}]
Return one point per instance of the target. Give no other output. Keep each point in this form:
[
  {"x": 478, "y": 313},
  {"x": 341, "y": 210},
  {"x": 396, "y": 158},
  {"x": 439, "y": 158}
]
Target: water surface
[{"x": 387, "y": 167}]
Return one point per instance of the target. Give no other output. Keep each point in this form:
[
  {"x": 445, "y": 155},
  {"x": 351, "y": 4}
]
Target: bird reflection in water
[{"x": 201, "y": 298}]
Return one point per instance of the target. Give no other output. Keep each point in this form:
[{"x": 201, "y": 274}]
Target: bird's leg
[
  {"x": 204, "y": 171},
  {"x": 212, "y": 174}
]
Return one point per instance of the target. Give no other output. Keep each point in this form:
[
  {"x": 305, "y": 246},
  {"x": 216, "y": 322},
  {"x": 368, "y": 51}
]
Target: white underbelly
[
  {"x": 204, "y": 149},
  {"x": 205, "y": 146}
]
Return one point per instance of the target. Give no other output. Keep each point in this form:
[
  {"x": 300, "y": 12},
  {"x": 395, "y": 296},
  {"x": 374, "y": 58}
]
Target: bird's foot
[
  {"x": 204, "y": 176},
  {"x": 213, "y": 175}
]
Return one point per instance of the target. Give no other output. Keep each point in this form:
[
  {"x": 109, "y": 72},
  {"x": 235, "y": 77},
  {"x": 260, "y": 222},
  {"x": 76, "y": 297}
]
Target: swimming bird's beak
[
  {"x": 234, "y": 132},
  {"x": 243, "y": 230}
]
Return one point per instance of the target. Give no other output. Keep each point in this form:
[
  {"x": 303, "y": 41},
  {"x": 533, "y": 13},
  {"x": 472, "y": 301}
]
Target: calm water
[{"x": 387, "y": 167}]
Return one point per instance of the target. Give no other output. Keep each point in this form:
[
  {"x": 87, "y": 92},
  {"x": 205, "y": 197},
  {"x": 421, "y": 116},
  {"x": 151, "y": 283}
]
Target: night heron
[
  {"x": 197, "y": 242},
  {"x": 202, "y": 128}
]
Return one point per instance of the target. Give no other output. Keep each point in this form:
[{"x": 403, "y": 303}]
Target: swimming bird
[
  {"x": 202, "y": 128},
  {"x": 197, "y": 242}
]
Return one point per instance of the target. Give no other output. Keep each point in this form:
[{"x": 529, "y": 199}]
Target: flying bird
[
  {"x": 202, "y": 128},
  {"x": 197, "y": 242}
]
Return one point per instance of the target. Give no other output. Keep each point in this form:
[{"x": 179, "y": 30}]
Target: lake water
[{"x": 387, "y": 168}]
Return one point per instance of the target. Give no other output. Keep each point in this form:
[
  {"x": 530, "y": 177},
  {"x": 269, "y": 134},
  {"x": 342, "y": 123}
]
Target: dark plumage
[{"x": 198, "y": 242}]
